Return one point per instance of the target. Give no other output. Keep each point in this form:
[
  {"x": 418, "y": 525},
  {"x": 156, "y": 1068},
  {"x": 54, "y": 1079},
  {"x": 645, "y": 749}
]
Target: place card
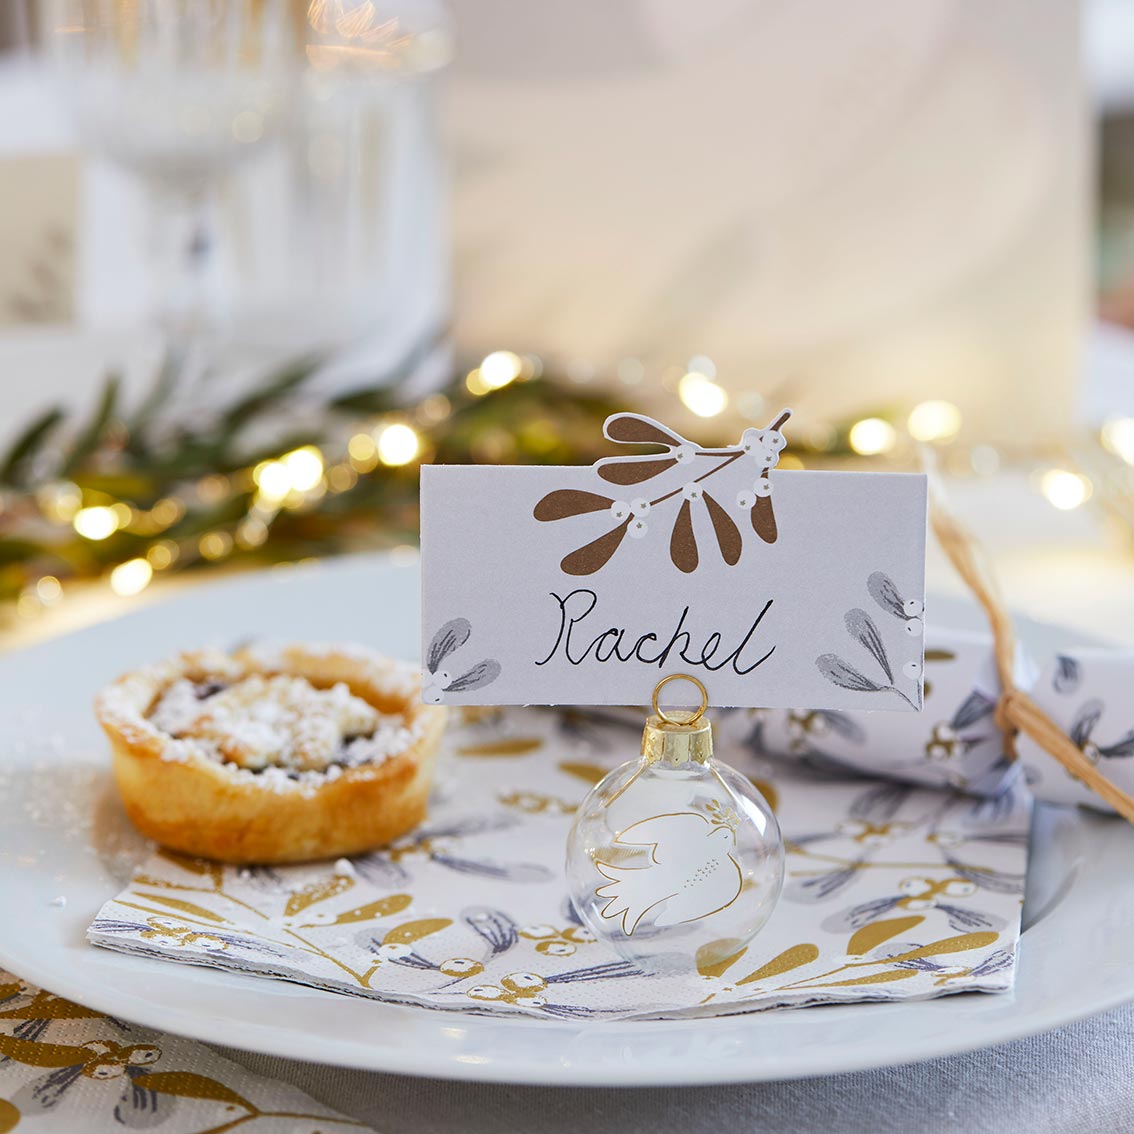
[{"x": 586, "y": 585}]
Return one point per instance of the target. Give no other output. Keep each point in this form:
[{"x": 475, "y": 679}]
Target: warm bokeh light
[
  {"x": 499, "y": 368},
  {"x": 273, "y": 481},
  {"x": 304, "y": 468},
  {"x": 871, "y": 436},
  {"x": 48, "y": 590},
  {"x": 703, "y": 365},
  {"x": 214, "y": 545},
  {"x": 934, "y": 421},
  {"x": 1118, "y": 437},
  {"x": 95, "y": 523},
  {"x": 702, "y": 395},
  {"x": 131, "y": 577},
  {"x": 163, "y": 554},
  {"x": 398, "y": 444},
  {"x": 1065, "y": 490}
]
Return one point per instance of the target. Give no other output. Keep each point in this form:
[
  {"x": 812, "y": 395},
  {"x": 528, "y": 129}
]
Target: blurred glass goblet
[{"x": 177, "y": 92}]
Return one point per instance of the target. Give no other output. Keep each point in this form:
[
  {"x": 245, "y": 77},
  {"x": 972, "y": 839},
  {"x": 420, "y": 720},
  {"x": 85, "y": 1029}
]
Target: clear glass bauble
[{"x": 675, "y": 864}]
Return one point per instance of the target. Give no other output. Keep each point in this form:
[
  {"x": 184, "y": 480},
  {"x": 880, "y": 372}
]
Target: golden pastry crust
[{"x": 186, "y": 795}]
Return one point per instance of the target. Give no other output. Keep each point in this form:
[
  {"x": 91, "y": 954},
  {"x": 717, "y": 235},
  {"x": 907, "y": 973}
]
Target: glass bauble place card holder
[{"x": 675, "y": 858}]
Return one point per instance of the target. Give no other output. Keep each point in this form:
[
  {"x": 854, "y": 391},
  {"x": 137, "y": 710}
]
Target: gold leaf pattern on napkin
[{"x": 891, "y": 892}]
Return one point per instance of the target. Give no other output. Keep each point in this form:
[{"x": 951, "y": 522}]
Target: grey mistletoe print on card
[{"x": 552, "y": 585}]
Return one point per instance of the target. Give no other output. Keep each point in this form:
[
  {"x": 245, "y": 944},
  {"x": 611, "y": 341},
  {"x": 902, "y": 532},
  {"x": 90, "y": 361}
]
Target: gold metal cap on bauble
[{"x": 678, "y": 736}]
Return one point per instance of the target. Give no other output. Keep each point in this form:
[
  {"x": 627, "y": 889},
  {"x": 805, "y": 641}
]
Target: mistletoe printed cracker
[{"x": 586, "y": 585}]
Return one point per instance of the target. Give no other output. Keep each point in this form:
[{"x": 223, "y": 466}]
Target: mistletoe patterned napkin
[{"x": 892, "y": 892}]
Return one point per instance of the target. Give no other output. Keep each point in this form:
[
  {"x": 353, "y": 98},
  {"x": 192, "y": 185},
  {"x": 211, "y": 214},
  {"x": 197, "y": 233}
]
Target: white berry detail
[
  {"x": 745, "y": 499},
  {"x": 912, "y": 607},
  {"x": 685, "y": 453},
  {"x": 752, "y": 440},
  {"x": 620, "y": 509},
  {"x": 911, "y": 669},
  {"x": 774, "y": 439},
  {"x": 913, "y": 627},
  {"x": 640, "y": 506},
  {"x": 762, "y": 487},
  {"x": 637, "y": 529},
  {"x": 691, "y": 491}
]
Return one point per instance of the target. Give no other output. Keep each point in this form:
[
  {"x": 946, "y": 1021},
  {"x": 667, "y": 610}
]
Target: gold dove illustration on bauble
[{"x": 691, "y": 873}]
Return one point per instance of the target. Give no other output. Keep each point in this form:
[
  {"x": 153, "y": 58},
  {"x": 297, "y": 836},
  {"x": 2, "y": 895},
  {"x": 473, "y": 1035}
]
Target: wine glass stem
[{"x": 181, "y": 243}]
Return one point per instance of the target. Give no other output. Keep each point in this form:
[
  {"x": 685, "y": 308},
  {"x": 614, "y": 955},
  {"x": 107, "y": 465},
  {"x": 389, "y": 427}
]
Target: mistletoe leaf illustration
[
  {"x": 187, "y": 1085},
  {"x": 875, "y": 978},
  {"x": 1085, "y": 721},
  {"x": 190, "y": 908},
  {"x": 382, "y": 907},
  {"x": 1068, "y": 674},
  {"x": 588, "y": 773},
  {"x": 564, "y": 502},
  {"x": 452, "y": 636},
  {"x": 961, "y": 944},
  {"x": 316, "y": 892},
  {"x": 594, "y": 555},
  {"x": 789, "y": 959},
  {"x": 883, "y": 591},
  {"x": 843, "y": 674},
  {"x": 715, "y": 958},
  {"x": 633, "y": 470},
  {"x": 844, "y": 726},
  {"x": 1121, "y": 748},
  {"x": 764, "y": 519},
  {"x": 872, "y": 935},
  {"x": 860, "y": 626},
  {"x": 33, "y": 1054},
  {"x": 728, "y": 534},
  {"x": 481, "y": 674},
  {"x": 506, "y": 746},
  {"x": 973, "y": 708},
  {"x": 411, "y": 931},
  {"x": 682, "y": 541},
  {"x": 633, "y": 429}
]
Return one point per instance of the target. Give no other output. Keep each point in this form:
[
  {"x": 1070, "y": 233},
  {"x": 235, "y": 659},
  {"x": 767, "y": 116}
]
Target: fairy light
[
  {"x": 1065, "y": 490},
  {"x": 703, "y": 365},
  {"x": 475, "y": 384},
  {"x": 934, "y": 421},
  {"x": 1118, "y": 437},
  {"x": 95, "y": 523},
  {"x": 59, "y": 502},
  {"x": 872, "y": 436},
  {"x": 500, "y": 368},
  {"x": 167, "y": 511},
  {"x": 702, "y": 395},
  {"x": 214, "y": 545},
  {"x": 131, "y": 578},
  {"x": 304, "y": 468},
  {"x": 362, "y": 451},
  {"x": 48, "y": 590},
  {"x": 398, "y": 444},
  {"x": 163, "y": 554},
  {"x": 273, "y": 481},
  {"x": 252, "y": 532}
]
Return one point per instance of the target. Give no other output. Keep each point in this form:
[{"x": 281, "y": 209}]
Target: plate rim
[{"x": 795, "y": 1062}]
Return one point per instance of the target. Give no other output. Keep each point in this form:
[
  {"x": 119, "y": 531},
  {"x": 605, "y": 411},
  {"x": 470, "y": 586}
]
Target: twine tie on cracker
[{"x": 1016, "y": 710}]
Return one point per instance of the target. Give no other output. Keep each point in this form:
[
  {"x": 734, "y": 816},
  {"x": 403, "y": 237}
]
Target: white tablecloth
[{"x": 1076, "y": 1080}]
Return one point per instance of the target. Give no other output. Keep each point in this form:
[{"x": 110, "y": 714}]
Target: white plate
[{"x": 62, "y": 833}]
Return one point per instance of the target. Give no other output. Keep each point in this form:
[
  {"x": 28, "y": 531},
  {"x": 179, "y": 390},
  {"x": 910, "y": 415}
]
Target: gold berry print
[{"x": 634, "y": 517}]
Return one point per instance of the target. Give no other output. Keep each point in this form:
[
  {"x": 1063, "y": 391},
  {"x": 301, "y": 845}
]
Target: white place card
[{"x": 586, "y": 585}]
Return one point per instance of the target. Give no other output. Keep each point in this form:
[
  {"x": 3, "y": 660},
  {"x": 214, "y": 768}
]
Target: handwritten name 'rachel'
[{"x": 577, "y": 643}]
